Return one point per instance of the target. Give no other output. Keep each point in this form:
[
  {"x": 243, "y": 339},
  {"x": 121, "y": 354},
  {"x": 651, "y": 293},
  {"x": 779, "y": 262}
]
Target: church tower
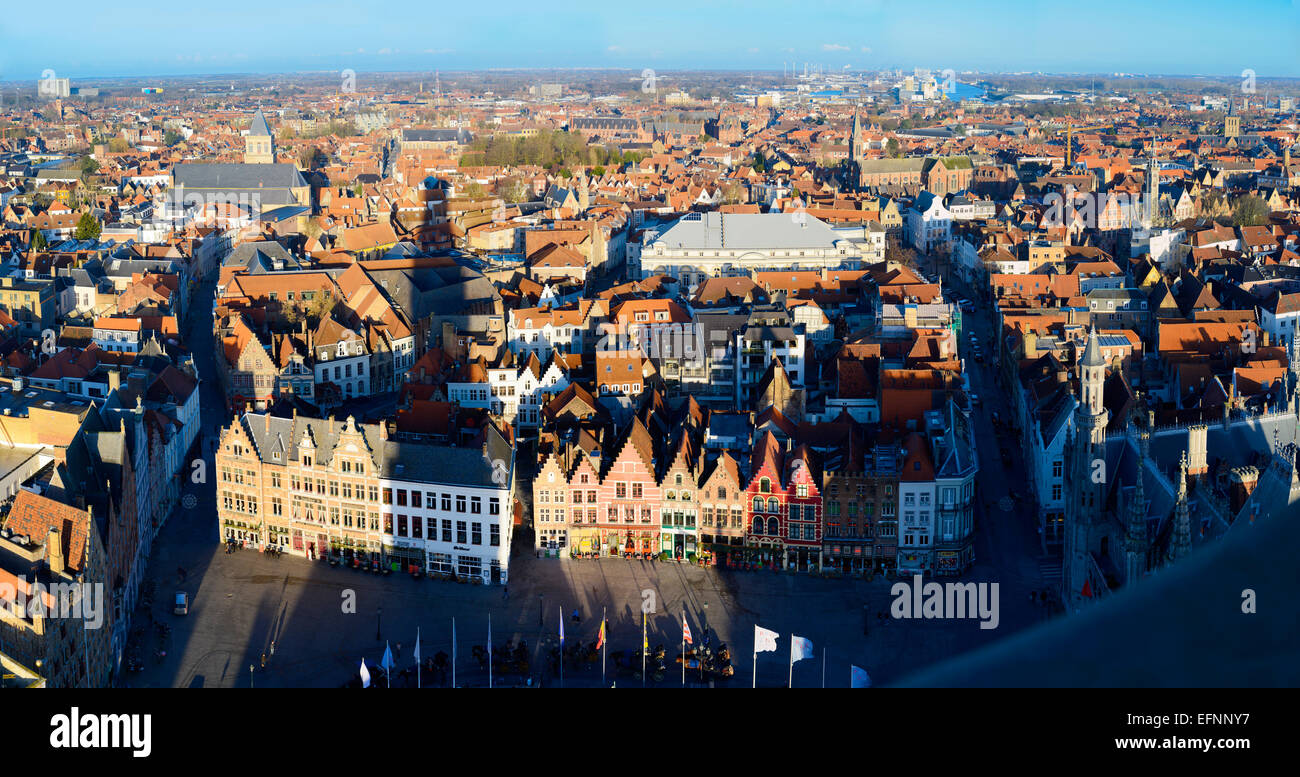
[
  {"x": 1085, "y": 508},
  {"x": 857, "y": 143},
  {"x": 1153, "y": 190},
  {"x": 259, "y": 143}
]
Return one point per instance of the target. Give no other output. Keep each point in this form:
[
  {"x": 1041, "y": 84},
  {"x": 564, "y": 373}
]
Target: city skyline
[{"x": 246, "y": 38}]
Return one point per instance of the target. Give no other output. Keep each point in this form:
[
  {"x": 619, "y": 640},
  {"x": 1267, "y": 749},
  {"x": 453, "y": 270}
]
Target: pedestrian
[
  {"x": 272, "y": 648},
  {"x": 399, "y": 649},
  {"x": 263, "y": 660},
  {"x": 1032, "y": 596},
  {"x": 505, "y": 593}
]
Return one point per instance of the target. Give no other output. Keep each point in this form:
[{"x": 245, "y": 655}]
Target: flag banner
[
  {"x": 561, "y": 625},
  {"x": 686, "y": 631},
  {"x": 417, "y": 646},
  {"x": 858, "y": 677},
  {"x": 600, "y": 638},
  {"x": 1087, "y": 588},
  {"x": 800, "y": 648},
  {"x": 387, "y": 662},
  {"x": 645, "y": 640},
  {"x": 764, "y": 640},
  {"x": 365, "y": 675}
]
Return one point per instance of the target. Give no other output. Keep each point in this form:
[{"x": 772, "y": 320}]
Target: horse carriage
[
  {"x": 629, "y": 663},
  {"x": 709, "y": 663},
  {"x": 510, "y": 658}
]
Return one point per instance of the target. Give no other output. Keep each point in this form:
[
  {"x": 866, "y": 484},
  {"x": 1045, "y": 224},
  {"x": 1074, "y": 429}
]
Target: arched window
[
  {"x": 772, "y": 506},
  {"x": 771, "y": 527},
  {"x": 758, "y": 525},
  {"x": 765, "y": 485},
  {"x": 758, "y": 504}
]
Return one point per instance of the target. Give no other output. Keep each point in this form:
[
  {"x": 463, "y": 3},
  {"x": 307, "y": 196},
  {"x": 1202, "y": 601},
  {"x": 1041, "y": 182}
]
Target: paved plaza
[{"x": 242, "y": 602}]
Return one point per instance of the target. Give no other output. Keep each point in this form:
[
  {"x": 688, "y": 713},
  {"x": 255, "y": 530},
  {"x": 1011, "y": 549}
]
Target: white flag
[
  {"x": 365, "y": 675},
  {"x": 764, "y": 640}
]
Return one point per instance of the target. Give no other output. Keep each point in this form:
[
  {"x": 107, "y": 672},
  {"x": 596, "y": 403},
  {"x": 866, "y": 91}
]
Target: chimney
[
  {"x": 383, "y": 430},
  {"x": 54, "y": 551},
  {"x": 1242, "y": 483},
  {"x": 1031, "y": 344},
  {"x": 267, "y": 418},
  {"x": 1197, "y": 435},
  {"x": 114, "y": 380}
]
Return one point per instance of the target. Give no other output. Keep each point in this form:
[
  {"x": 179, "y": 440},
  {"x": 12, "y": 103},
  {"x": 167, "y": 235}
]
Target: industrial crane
[{"x": 1069, "y": 138}]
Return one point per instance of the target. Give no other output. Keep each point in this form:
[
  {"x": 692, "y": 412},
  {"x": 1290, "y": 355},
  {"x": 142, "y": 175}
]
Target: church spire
[
  {"x": 856, "y": 141},
  {"x": 1135, "y": 524},
  {"x": 1180, "y": 544}
]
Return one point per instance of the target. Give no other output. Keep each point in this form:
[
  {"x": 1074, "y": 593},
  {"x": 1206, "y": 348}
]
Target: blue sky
[{"x": 151, "y": 37}]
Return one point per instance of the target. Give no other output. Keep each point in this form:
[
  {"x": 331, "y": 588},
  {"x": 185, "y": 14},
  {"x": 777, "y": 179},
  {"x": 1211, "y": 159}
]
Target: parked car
[
  {"x": 975, "y": 399},
  {"x": 182, "y": 606}
]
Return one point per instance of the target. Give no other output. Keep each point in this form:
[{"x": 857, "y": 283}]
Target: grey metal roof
[{"x": 760, "y": 231}]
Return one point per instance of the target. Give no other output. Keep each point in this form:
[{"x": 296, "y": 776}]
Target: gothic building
[{"x": 1143, "y": 497}]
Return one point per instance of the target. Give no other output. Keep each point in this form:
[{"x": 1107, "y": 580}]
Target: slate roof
[{"x": 420, "y": 462}]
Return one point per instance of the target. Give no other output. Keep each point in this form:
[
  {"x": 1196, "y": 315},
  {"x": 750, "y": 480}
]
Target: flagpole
[
  {"x": 755, "y": 683},
  {"x": 604, "y": 646},
  {"x": 453, "y": 652},
  {"x": 561, "y": 647},
  {"x": 644, "y": 646},
  {"x": 790, "y": 681},
  {"x": 683, "y": 647},
  {"x": 418, "y": 660},
  {"x": 490, "y": 653},
  {"x": 823, "y": 667}
]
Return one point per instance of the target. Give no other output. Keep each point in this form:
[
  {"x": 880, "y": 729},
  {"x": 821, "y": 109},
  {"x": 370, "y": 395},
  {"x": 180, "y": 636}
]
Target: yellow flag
[{"x": 645, "y": 641}]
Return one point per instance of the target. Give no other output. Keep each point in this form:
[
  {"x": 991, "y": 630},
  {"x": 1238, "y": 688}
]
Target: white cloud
[
  {"x": 866, "y": 49},
  {"x": 834, "y": 47},
  {"x": 753, "y": 50},
  {"x": 613, "y": 49},
  {"x": 383, "y": 52}
]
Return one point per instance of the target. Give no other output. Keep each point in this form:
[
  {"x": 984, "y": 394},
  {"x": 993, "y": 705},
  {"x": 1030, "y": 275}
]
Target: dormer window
[{"x": 306, "y": 460}]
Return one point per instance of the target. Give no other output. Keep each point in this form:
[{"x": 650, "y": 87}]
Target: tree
[
  {"x": 733, "y": 193},
  {"x": 894, "y": 252},
  {"x": 311, "y": 158},
  {"x": 38, "y": 241},
  {"x": 88, "y": 168},
  {"x": 892, "y": 148},
  {"x": 172, "y": 137},
  {"x": 118, "y": 145},
  {"x": 88, "y": 228},
  {"x": 1250, "y": 211}
]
